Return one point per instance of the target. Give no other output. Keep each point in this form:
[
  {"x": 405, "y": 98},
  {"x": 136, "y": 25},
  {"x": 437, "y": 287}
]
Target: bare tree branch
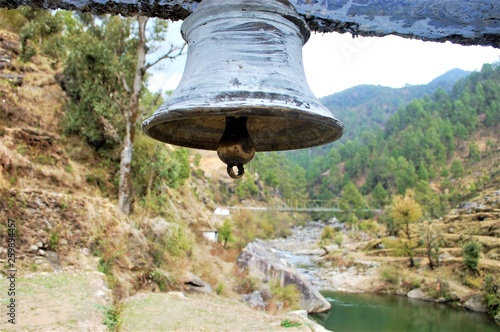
[
  {"x": 124, "y": 81},
  {"x": 167, "y": 55}
]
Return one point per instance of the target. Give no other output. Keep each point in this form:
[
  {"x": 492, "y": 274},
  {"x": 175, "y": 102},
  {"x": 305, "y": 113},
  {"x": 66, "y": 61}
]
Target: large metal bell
[{"x": 244, "y": 88}]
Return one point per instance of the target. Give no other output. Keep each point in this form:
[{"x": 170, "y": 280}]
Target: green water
[{"x": 372, "y": 312}]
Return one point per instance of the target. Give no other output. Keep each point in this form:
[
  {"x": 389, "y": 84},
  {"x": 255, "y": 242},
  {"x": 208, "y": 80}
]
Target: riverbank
[
  {"x": 352, "y": 272},
  {"x": 348, "y": 268}
]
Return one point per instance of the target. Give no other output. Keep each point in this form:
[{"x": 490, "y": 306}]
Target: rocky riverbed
[{"x": 302, "y": 249}]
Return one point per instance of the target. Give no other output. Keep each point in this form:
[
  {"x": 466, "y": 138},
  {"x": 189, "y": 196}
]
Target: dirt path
[
  {"x": 59, "y": 301},
  {"x": 198, "y": 312}
]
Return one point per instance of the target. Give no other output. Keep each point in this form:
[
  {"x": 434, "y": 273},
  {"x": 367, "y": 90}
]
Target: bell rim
[{"x": 335, "y": 127}]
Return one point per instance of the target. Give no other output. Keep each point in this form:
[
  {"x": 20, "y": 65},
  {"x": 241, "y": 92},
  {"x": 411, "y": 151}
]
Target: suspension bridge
[{"x": 293, "y": 205}]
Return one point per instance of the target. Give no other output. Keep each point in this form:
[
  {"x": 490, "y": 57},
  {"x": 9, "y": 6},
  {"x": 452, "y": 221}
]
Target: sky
[{"x": 334, "y": 62}]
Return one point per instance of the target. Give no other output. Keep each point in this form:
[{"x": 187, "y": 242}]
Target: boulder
[
  {"x": 194, "y": 283},
  {"x": 15, "y": 79},
  {"x": 417, "y": 293},
  {"x": 254, "y": 300},
  {"x": 53, "y": 259},
  {"x": 159, "y": 225},
  {"x": 475, "y": 303},
  {"x": 263, "y": 263}
]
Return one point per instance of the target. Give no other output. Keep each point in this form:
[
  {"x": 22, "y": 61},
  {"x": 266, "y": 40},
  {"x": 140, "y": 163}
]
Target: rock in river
[{"x": 263, "y": 263}]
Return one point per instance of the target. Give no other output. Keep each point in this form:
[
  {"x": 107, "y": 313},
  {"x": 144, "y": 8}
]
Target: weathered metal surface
[
  {"x": 244, "y": 60},
  {"x": 468, "y": 22}
]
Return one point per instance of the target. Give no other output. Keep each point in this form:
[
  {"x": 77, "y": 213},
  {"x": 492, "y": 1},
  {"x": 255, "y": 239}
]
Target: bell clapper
[{"x": 236, "y": 148}]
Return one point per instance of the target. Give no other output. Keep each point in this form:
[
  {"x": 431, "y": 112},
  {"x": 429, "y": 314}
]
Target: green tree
[
  {"x": 41, "y": 30},
  {"x": 405, "y": 211},
  {"x": 405, "y": 175},
  {"x": 12, "y": 20},
  {"x": 352, "y": 204},
  {"x": 430, "y": 201},
  {"x": 456, "y": 168},
  {"x": 422, "y": 173},
  {"x": 106, "y": 71},
  {"x": 379, "y": 196},
  {"x": 246, "y": 187},
  {"x": 474, "y": 154},
  {"x": 226, "y": 232},
  {"x": 491, "y": 292}
]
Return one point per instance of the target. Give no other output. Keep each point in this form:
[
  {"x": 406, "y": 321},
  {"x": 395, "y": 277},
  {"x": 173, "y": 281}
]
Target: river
[
  {"x": 374, "y": 312},
  {"x": 367, "y": 311}
]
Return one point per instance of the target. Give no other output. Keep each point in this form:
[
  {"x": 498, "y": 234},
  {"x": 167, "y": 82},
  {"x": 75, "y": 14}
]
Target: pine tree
[
  {"x": 352, "y": 204},
  {"x": 380, "y": 196}
]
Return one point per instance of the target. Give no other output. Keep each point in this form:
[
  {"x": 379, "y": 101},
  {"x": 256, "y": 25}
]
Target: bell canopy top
[{"x": 210, "y": 9}]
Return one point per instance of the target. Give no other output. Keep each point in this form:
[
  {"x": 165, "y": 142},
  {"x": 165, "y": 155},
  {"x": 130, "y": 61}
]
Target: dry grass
[{"x": 338, "y": 259}]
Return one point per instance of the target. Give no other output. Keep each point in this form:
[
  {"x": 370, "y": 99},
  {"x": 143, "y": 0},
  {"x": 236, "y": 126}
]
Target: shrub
[
  {"x": 162, "y": 279},
  {"x": 439, "y": 289},
  {"x": 471, "y": 253},
  {"x": 289, "y": 295},
  {"x": 491, "y": 292},
  {"x": 220, "y": 288},
  {"x": 246, "y": 188},
  {"x": 112, "y": 318},
  {"x": 391, "y": 275},
  {"x": 286, "y": 323},
  {"x": 369, "y": 226},
  {"x": 327, "y": 234},
  {"x": 339, "y": 239},
  {"x": 391, "y": 242},
  {"x": 339, "y": 260},
  {"x": 168, "y": 247},
  {"x": 472, "y": 281},
  {"x": 226, "y": 232},
  {"x": 245, "y": 284},
  {"x": 104, "y": 266},
  {"x": 53, "y": 240}
]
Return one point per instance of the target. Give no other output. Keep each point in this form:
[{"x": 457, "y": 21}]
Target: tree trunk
[
  {"x": 429, "y": 255},
  {"x": 409, "y": 246},
  {"x": 126, "y": 192}
]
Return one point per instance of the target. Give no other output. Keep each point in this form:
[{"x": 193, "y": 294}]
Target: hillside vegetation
[
  {"x": 67, "y": 132},
  {"x": 365, "y": 107},
  {"x": 60, "y": 188}
]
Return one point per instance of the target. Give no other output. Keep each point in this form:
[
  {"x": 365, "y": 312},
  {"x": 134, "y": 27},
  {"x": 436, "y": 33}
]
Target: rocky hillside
[
  {"x": 478, "y": 219},
  {"x": 52, "y": 183},
  {"x": 73, "y": 244}
]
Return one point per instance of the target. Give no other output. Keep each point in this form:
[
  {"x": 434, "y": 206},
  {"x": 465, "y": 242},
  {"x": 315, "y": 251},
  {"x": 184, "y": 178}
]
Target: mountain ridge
[{"x": 376, "y": 103}]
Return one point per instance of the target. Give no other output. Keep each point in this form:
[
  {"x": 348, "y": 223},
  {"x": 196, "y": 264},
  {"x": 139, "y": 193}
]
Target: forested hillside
[
  {"x": 365, "y": 107},
  {"x": 431, "y": 145}
]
